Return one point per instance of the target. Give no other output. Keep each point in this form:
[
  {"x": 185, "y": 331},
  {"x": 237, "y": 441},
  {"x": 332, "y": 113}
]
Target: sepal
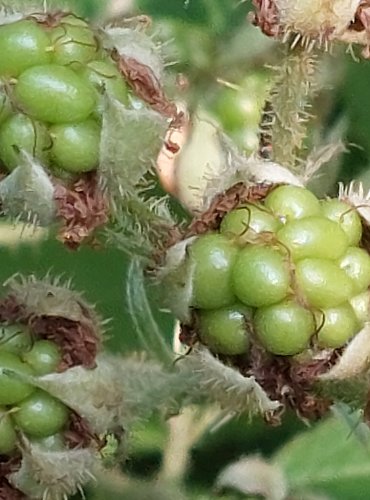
[{"x": 27, "y": 193}]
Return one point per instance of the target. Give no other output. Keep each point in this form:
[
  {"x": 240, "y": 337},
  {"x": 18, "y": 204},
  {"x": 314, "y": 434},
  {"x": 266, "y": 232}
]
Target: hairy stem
[{"x": 294, "y": 83}]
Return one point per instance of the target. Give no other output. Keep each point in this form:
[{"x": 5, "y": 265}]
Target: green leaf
[
  {"x": 327, "y": 459},
  {"x": 355, "y": 422}
]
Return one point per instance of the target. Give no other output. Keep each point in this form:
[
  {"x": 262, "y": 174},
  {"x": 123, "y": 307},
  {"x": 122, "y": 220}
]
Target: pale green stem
[{"x": 184, "y": 430}]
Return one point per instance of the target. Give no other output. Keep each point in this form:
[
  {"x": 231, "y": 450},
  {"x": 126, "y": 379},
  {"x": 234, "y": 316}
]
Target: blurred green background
[{"x": 224, "y": 59}]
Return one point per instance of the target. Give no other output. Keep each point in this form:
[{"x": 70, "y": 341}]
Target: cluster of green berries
[
  {"x": 23, "y": 407},
  {"x": 53, "y": 79},
  {"x": 289, "y": 269}
]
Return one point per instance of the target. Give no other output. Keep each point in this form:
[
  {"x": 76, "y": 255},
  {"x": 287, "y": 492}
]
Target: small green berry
[
  {"x": 73, "y": 45},
  {"x": 12, "y": 388},
  {"x": 247, "y": 222},
  {"x": 105, "y": 77},
  {"x": 23, "y": 44},
  {"x": 361, "y": 306},
  {"x": 15, "y": 338},
  {"x": 285, "y": 328},
  {"x": 339, "y": 324},
  {"x": 315, "y": 237},
  {"x": 224, "y": 330},
  {"x": 18, "y": 133},
  {"x": 54, "y": 94},
  {"x": 356, "y": 264},
  {"x": 260, "y": 276},
  {"x": 8, "y": 436},
  {"x": 346, "y": 216},
  {"x": 44, "y": 357},
  {"x": 322, "y": 283},
  {"x": 212, "y": 257},
  {"x": 40, "y": 415},
  {"x": 75, "y": 147},
  {"x": 292, "y": 202}
]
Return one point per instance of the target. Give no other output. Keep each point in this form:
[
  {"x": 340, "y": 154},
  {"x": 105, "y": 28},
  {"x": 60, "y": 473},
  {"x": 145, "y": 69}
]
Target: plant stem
[
  {"x": 294, "y": 83},
  {"x": 184, "y": 430}
]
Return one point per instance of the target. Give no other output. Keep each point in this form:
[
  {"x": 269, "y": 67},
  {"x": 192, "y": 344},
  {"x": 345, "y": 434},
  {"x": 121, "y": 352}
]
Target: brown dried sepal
[
  {"x": 288, "y": 380},
  {"x": 145, "y": 84},
  {"x": 49, "y": 19},
  {"x": 8, "y": 492},
  {"x": 79, "y": 434},
  {"x": 82, "y": 208},
  {"x": 78, "y": 340},
  {"x": 292, "y": 382},
  {"x": 7, "y": 467},
  {"x": 12, "y": 312},
  {"x": 223, "y": 203},
  {"x": 188, "y": 333},
  {"x": 361, "y": 24},
  {"x": 266, "y": 17}
]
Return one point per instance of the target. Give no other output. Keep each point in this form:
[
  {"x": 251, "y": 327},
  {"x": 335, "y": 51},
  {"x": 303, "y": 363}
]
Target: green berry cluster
[
  {"x": 53, "y": 79},
  {"x": 289, "y": 269},
  {"x": 23, "y": 407}
]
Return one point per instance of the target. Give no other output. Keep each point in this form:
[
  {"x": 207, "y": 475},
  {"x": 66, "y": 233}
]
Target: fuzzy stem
[
  {"x": 184, "y": 430},
  {"x": 294, "y": 82}
]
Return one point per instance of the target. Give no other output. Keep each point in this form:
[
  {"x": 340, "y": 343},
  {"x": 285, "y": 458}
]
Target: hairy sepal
[
  {"x": 254, "y": 476},
  {"x": 354, "y": 194},
  {"x": 96, "y": 395},
  {"x": 53, "y": 475},
  {"x": 130, "y": 139},
  {"x": 175, "y": 279},
  {"x": 225, "y": 386},
  {"x": 135, "y": 44},
  {"x": 141, "y": 224},
  {"x": 27, "y": 193},
  {"x": 159, "y": 389},
  {"x": 51, "y": 297},
  {"x": 349, "y": 379},
  {"x": 317, "y": 18},
  {"x": 118, "y": 392}
]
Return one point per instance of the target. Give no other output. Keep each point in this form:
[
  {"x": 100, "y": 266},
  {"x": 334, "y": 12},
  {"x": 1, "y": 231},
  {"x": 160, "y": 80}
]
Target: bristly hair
[{"x": 224, "y": 385}]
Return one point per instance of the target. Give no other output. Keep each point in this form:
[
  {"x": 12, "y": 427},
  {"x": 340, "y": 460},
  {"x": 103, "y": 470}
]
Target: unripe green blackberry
[
  {"x": 68, "y": 117},
  {"x": 225, "y": 331},
  {"x": 298, "y": 267},
  {"x": 56, "y": 390}
]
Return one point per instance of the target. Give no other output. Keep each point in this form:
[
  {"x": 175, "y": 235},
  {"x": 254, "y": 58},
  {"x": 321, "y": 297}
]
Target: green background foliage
[{"x": 211, "y": 39}]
